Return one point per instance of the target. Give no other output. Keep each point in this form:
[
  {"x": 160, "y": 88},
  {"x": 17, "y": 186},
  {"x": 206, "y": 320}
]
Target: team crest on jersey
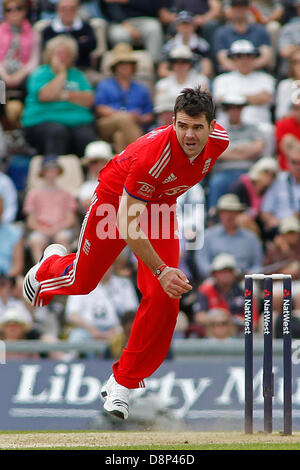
[
  {"x": 145, "y": 189},
  {"x": 206, "y": 165}
]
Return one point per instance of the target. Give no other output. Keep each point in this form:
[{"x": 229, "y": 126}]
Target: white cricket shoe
[
  {"x": 116, "y": 398},
  {"x": 31, "y": 286}
]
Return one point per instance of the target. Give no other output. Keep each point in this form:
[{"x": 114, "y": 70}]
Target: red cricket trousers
[{"x": 79, "y": 273}]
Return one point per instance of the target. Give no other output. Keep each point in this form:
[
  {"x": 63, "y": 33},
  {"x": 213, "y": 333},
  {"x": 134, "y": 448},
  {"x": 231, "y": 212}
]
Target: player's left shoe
[{"x": 116, "y": 398}]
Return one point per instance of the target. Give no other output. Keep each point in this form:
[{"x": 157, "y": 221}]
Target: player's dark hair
[{"x": 194, "y": 101}]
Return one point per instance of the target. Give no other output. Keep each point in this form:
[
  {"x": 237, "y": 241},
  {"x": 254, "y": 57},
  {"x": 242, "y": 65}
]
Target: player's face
[{"x": 192, "y": 132}]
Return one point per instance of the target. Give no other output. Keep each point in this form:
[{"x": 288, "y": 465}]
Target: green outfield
[{"x": 136, "y": 440}]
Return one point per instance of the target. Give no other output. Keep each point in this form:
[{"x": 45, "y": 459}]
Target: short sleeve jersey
[{"x": 155, "y": 169}]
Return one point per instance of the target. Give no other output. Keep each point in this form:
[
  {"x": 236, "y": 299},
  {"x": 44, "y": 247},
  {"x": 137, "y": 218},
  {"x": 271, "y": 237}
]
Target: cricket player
[{"x": 135, "y": 204}]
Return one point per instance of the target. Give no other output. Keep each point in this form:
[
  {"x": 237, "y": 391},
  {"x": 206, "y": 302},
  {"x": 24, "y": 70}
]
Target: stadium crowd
[{"x": 86, "y": 78}]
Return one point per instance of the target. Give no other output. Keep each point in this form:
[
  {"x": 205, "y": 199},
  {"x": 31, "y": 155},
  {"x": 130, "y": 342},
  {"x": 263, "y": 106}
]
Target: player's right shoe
[
  {"x": 31, "y": 286},
  {"x": 116, "y": 398}
]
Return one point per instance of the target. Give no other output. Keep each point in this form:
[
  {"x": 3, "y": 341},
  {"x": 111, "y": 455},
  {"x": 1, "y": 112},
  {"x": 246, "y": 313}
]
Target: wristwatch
[{"x": 160, "y": 269}]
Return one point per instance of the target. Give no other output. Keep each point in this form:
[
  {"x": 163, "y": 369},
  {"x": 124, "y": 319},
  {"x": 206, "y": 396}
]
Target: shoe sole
[
  {"x": 119, "y": 414},
  {"x": 29, "y": 294}
]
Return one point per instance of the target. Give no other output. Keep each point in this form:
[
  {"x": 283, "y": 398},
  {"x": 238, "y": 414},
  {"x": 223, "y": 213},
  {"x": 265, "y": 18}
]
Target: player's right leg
[{"x": 77, "y": 273}]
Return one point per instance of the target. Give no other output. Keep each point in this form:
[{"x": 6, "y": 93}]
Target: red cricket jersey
[{"x": 155, "y": 169}]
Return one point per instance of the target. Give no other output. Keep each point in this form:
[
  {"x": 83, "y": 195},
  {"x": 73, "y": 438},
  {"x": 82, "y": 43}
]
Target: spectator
[
  {"x": 186, "y": 35},
  {"x": 240, "y": 28},
  {"x": 289, "y": 38},
  {"x": 221, "y": 291},
  {"x": 124, "y": 106},
  {"x": 9, "y": 196},
  {"x": 207, "y": 15},
  {"x": 182, "y": 75},
  {"x": 245, "y": 147},
  {"x": 11, "y": 247},
  {"x": 96, "y": 156},
  {"x": 282, "y": 199},
  {"x": 220, "y": 325},
  {"x": 68, "y": 21},
  {"x": 288, "y": 135},
  {"x": 288, "y": 87},
  {"x": 250, "y": 189},
  {"x": 266, "y": 12},
  {"x": 57, "y": 118},
  {"x": 15, "y": 326},
  {"x": 135, "y": 22},
  {"x": 256, "y": 86},
  {"x": 19, "y": 49},
  {"x": 119, "y": 341},
  {"x": 226, "y": 236},
  {"x": 164, "y": 109},
  {"x": 8, "y": 300},
  {"x": 50, "y": 211}
]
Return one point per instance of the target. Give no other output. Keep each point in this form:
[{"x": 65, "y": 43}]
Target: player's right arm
[{"x": 173, "y": 281}]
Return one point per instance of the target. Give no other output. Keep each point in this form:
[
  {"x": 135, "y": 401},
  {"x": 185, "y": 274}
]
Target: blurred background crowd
[{"x": 86, "y": 78}]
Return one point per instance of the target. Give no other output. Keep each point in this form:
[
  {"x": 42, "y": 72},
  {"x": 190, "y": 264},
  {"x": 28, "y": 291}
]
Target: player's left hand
[{"x": 174, "y": 282}]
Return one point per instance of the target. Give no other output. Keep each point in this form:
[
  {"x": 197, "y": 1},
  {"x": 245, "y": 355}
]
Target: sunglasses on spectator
[
  {"x": 220, "y": 323},
  {"x": 295, "y": 162},
  {"x": 240, "y": 56},
  {"x": 296, "y": 61},
  {"x": 11, "y": 9}
]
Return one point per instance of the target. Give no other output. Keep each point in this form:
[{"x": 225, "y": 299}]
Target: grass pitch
[{"x": 136, "y": 440}]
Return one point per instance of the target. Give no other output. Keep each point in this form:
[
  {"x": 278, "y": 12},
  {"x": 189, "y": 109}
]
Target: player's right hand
[{"x": 174, "y": 282}]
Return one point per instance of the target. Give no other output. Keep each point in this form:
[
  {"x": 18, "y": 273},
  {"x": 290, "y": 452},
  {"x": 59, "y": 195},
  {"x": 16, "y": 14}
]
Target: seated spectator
[
  {"x": 288, "y": 88},
  {"x": 186, "y": 35},
  {"x": 221, "y": 291},
  {"x": 68, "y": 21},
  {"x": 288, "y": 135},
  {"x": 163, "y": 109},
  {"x": 135, "y": 22},
  {"x": 289, "y": 38},
  {"x": 227, "y": 236},
  {"x": 96, "y": 155},
  {"x": 19, "y": 51},
  {"x": 220, "y": 326},
  {"x": 11, "y": 247},
  {"x": 269, "y": 13},
  {"x": 119, "y": 341},
  {"x": 123, "y": 106},
  {"x": 207, "y": 15},
  {"x": 282, "y": 199},
  {"x": 8, "y": 299},
  {"x": 256, "y": 86},
  {"x": 246, "y": 146},
  {"x": 9, "y": 196},
  {"x": 50, "y": 212},
  {"x": 250, "y": 189},
  {"x": 182, "y": 75},
  {"x": 57, "y": 117},
  {"x": 14, "y": 326},
  {"x": 239, "y": 27}
]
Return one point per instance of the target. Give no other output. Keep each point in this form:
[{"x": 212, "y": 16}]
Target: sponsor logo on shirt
[
  {"x": 178, "y": 189},
  {"x": 170, "y": 178},
  {"x": 145, "y": 188},
  {"x": 206, "y": 165}
]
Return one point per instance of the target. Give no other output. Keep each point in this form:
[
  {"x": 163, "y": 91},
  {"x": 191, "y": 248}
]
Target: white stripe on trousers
[{"x": 68, "y": 279}]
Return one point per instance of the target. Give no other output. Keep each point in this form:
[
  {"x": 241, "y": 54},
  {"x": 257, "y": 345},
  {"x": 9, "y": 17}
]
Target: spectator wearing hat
[
  {"x": 15, "y": 326},
  {"x": 50, "y": 211},
  {"x": 288, "y": 88},
  {"x": 228, "y": 237},
  {"x": 256, "y": 86},
  {"x": 11, "y": 247},
  {"x": 282, "y": 199},
  {"x": 9, "y": 299},
  {"x": 57, "y": 116},
  {"x": 182, "y": 75},
  {"x": 96, "y": 156},
  {"x": 222, "y": 290},
  {"x": 123, "y": 106},
  {"x": 240, "y": 27},
  {"x": 186, "y": 36},
  {"x": 245, "y": 148},
  {"x": 250, "y": 189},
  {"x": 135, "y": 22},
  {"x": 163, "y": 109},
  {"x": 287, "y": 133}
]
